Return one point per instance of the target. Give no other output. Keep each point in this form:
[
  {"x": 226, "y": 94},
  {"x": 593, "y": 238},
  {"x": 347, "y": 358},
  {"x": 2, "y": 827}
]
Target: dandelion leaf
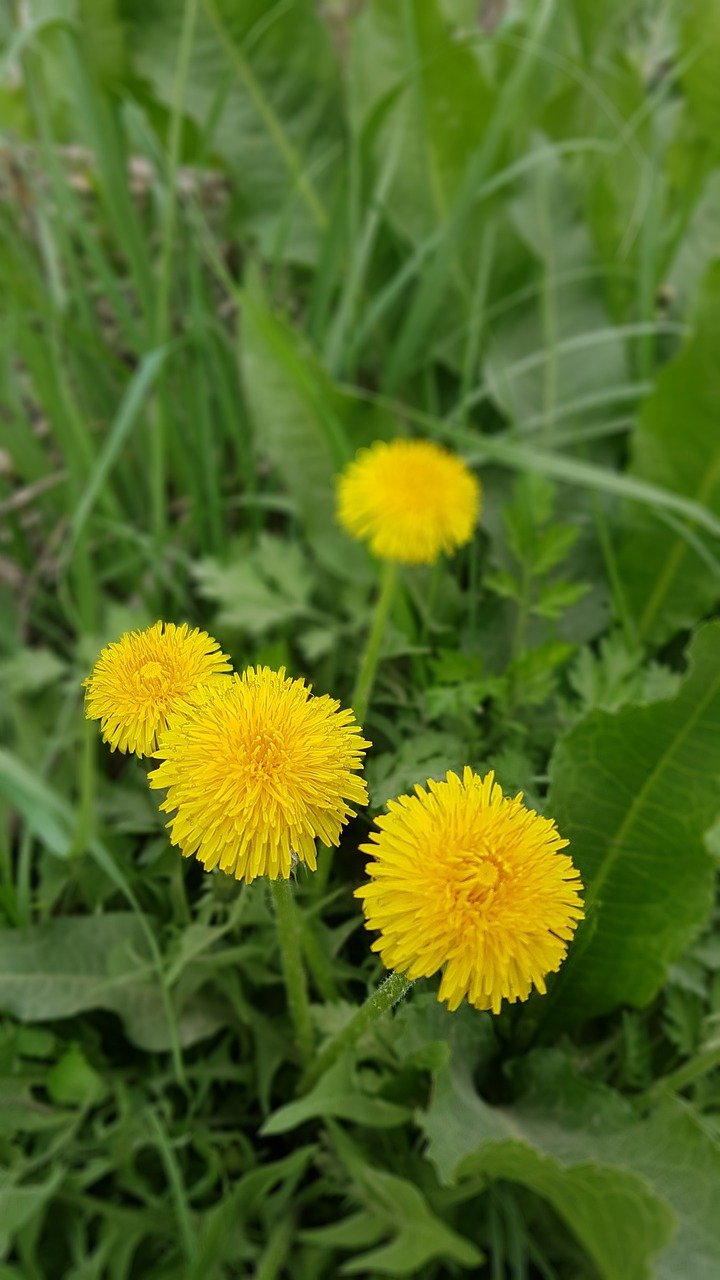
[
  {"x": 634, "y": 792},
  {"x": 637, "y": 1193}
]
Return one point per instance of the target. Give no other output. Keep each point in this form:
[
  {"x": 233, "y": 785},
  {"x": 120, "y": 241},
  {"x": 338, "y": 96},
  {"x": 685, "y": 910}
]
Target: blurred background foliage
[{"x": 237, "y": 242}]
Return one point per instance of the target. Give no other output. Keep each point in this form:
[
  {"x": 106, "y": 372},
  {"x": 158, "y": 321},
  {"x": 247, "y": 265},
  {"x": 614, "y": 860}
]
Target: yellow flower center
[
  {"x": 152, "y": 676},
  {"x": 263, "y": 755}
]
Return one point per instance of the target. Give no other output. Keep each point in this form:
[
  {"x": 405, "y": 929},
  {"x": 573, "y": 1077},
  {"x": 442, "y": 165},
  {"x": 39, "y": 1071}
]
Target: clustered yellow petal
[
  {"x": 257, "y": 769},
  {"x": 465, "y": 878},
  {"x": 144, "y": 676},
  {"x": 411, "y": 499}
]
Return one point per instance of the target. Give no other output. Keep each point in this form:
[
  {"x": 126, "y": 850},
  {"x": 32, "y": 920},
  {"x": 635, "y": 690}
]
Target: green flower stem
[
  {"x": 368, "y": 665},
  {"x": 387, "y": 995},
  {"x": 293, "y": 968}
]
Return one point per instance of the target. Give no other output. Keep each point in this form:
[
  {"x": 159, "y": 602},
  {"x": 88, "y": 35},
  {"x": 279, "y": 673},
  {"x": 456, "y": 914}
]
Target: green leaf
[
  {"x": 552, "y": 546},
  {"x": 439, "y": 106},
  {"x": 75, "y": 963},
  {"x": 31, "y": 670},
  {"x": 634, "y": 794},
  {"x": 556, "y": 597},
  {"x": 699, "y": 246},
  {"x": 426, "y": 755},
  {"x": 260, "y": 589},
  {"x": 305, "y": 426},
  {"x": 264, "y": 94},
  {"x": 613, "y": 676},
  {"x": 48, "y": 816},
  {"x": 24, "y": 1204},
  {"x": 533, "y": 672},
  {"x": 629, "y": 1189},
  {"x": 402, "y": 1211},
  {"x": 677, "y": 447},
  {"x": 699, "y": 56},
  {"x": 558, "y": 350},
  {"x": 73, "y": 1081},
  {"x": 504, "y": 584},
  {"x": 337, "y": 1094},
  {"x": 458, "y": 699},
  {"x": 419, "y": 1235}
]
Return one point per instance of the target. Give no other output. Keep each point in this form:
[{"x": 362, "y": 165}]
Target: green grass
[{"x": 238, "y": 242}]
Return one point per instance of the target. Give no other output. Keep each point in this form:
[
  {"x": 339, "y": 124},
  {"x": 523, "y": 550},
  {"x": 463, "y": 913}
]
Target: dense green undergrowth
[{"x": 238, "y": 242}]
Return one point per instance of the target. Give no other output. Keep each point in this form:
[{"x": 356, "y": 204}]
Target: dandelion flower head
[
  {"x": 137, "y": 681},
  {"x": 258, "y": 768},
  {"x": 411, "y": 500},
  {"x": 465, "y": 878}
]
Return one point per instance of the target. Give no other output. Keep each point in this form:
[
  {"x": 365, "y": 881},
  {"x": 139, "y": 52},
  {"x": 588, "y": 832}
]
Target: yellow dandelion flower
[
  {"x": 137, "y": 681},
  {"x": 410, "y": 499},
  {"x": 257, "y": 769},
  {"x": 466, "y": 878}
]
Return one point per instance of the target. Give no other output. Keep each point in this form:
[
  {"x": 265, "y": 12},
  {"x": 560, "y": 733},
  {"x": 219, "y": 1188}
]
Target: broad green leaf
[
  {"x": 337, "y": 1094},
  {"x": 47, "y": 814},
  {"x": 699, "y": 247},
  {"x": 677, "y": 447},
  {"x": 699, "y": 57},
  {"x": 535, "y": 365},
  {"x": 597, "y": 25},
  {"x": 263, "y": 90},
  {"x": 30, "y": 670},
  {"x": 75, "y": 963},
  {"x": 640, "y": 1195},
  {"x": 614, "y": 172},
  {"x": 634, "y": 794},
  {"x": 438, "y": 116},
  {"x": 306, "y": 427}
]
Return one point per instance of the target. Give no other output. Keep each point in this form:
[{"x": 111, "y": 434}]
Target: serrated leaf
[
  {"x": 682, "y": 1021},
  {"x": 337, "y": 1094},
  {"x": 556, "y": 597},
  {"x": 457, "y": 699},
  {"x": 552, "y": 546},
  {"x": 533, "y": 672},
  {"x": 427, "y": 755},
  {"x": 634, "y": 794},
  {"x": 615, "y": 675},
  {"x": 504, "y": 584},
  {"x": 261, "y": 589}
]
